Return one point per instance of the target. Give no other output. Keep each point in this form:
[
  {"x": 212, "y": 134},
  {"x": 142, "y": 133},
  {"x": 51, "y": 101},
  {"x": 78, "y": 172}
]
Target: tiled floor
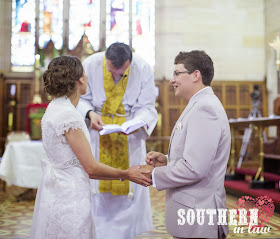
[{"x": 16, "y": 217}]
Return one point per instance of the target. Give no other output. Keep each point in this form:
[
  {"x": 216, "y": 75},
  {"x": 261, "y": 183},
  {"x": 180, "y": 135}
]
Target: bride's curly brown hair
[{"x": 61, "y": 76}]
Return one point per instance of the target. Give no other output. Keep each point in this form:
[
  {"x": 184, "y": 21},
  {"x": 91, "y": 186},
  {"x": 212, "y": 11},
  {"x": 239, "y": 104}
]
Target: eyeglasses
[{"x": 177, "y": 73}]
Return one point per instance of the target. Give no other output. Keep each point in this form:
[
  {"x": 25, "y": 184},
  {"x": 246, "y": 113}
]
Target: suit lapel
[
  {"x": 191, "y": 103},
  {"x": 186, "y": 110}
]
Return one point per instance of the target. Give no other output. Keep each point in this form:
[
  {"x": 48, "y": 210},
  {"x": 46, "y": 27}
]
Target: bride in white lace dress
[{"x": 63, "y": 201}]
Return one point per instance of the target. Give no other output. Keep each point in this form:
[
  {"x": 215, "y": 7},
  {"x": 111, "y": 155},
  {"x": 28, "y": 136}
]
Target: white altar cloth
[{"x": 21, "y": 163}]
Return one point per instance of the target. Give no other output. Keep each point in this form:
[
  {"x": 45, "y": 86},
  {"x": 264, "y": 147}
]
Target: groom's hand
[
  {"x": 156, "y": 159},
  {"x": 148, "y": 168}
]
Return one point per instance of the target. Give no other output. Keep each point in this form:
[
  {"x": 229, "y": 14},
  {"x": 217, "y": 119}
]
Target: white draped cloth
[
  {"x": 63, "y": 200},
  {"x": 121, "y": 217},
  {"x": 20, "y": 163}
]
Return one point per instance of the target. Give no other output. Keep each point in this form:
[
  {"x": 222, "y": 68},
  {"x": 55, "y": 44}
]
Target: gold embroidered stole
[{"x": 113, "y": 149}]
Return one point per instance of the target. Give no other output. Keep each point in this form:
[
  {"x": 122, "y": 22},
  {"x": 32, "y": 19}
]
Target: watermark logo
[{"x": 253, "y": 213}]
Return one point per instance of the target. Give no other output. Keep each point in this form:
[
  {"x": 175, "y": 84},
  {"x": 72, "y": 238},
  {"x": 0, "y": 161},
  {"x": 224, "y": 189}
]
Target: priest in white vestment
[{"x": 120, "y": 87}]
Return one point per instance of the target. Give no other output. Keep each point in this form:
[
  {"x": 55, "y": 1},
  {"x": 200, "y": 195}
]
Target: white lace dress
[{"x": 63, "y": 201}]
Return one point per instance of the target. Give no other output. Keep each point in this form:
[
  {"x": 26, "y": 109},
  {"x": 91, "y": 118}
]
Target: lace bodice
[{"x": 60, "y": 116}]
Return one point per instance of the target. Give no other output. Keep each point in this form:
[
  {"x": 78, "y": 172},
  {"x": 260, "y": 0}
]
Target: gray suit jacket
[{"x": 197, "y": 159}]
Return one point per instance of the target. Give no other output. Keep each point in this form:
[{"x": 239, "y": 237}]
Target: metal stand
[{"x": 254, "y": 113}]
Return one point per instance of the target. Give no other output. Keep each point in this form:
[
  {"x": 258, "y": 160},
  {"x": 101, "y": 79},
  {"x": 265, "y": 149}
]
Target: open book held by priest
[{"x": 127, "y": 127}]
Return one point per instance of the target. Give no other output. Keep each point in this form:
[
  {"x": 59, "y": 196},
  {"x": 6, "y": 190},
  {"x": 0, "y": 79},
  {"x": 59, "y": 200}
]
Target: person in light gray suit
[{"x": 193, "y": 172}]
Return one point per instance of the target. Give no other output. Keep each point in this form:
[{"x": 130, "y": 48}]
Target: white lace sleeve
[{"x": 66, "y": 121}]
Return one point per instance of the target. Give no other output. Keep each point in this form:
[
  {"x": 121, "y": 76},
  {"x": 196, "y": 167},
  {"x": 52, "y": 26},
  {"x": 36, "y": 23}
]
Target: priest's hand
[
  {"x": 133, "y": 132},
  {"x": 95, "y": 121},
  {"x": 156, "y": 159}
]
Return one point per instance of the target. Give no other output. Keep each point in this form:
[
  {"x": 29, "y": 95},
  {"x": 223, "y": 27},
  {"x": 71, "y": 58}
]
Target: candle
[
  {"x": 10, "y": 121},
  {"x": 37, "y": 60}
]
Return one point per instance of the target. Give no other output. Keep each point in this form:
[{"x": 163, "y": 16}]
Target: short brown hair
[
  {"x": 61, "y": 76},
  {"x": 197, "y": 60}
]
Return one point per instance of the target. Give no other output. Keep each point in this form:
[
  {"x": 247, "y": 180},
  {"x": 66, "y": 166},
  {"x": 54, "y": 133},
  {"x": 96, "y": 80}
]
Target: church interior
[{"x": 242, "y": 38}]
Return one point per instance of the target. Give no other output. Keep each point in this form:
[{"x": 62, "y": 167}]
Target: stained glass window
[
  {"x": 23, "y": 35},
  {"x": 128, "y": 21},
  {"x": 143, "y": 29},
  {"x": 117, "y": 21},
  {"x": 84, "y": 18},
  {"x": 51, "y": 23}
]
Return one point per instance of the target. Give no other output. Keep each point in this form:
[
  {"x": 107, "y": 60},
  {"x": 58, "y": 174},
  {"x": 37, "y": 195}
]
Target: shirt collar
[{"x": 200, "y": 91}]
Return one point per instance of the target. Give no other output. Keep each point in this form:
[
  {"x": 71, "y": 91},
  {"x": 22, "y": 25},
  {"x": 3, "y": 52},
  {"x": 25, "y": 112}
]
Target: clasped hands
[{"x": 142, "y": 174}]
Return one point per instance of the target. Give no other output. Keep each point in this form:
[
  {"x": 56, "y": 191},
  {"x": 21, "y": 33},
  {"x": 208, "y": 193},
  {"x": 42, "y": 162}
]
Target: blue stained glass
[
  {"x": 23, "y": 35},
  {"x": 115, "y": 8},
  {"x": 84, "y": 18},
  {"x": 117, "y": 21},
  {"x": 51, "y": 23}
]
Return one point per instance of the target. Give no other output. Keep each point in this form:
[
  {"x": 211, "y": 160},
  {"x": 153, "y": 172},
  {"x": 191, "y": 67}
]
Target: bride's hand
[{"x": 139, "y": 175}]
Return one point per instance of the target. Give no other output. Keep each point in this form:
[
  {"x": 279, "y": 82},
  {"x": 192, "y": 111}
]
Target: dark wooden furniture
[
  {"x": 272, "y": 163},
  {"x": 14, "y": 106},
  {"x": 236, "y": 97},
  {"x": 260, "y": 124}
]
